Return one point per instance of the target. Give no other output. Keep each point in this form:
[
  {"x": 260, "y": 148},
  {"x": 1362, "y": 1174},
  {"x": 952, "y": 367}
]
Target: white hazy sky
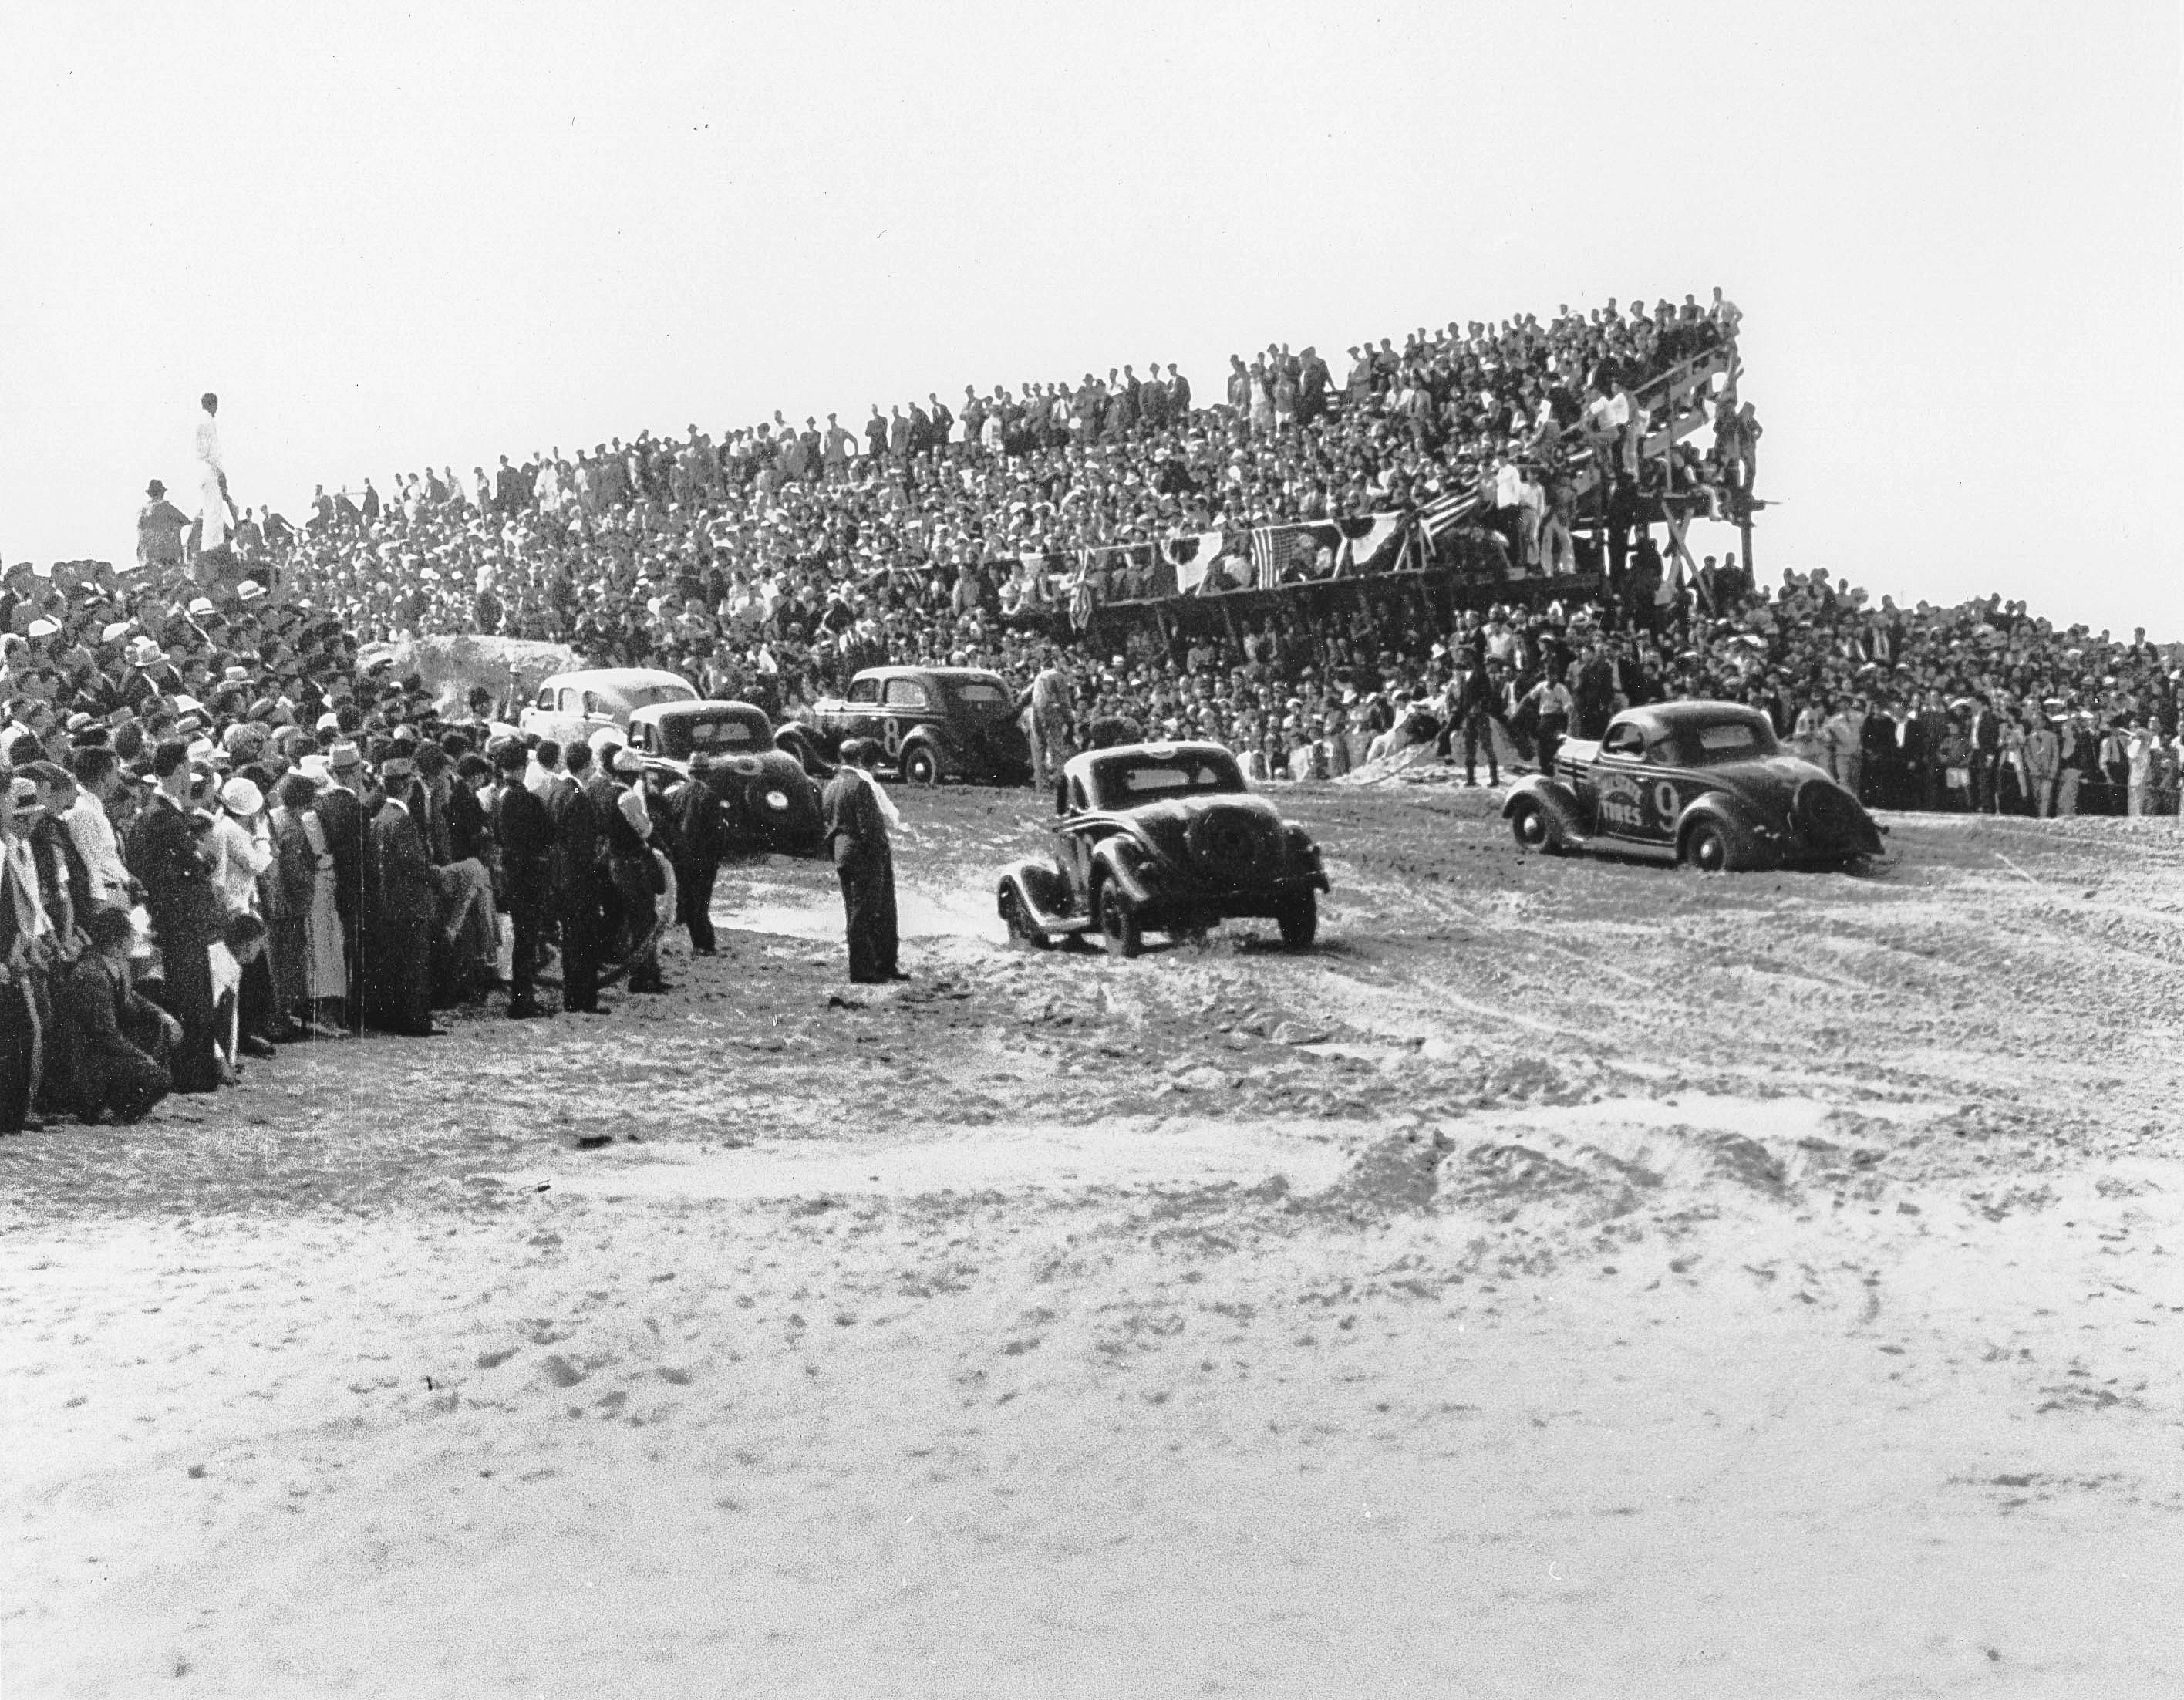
[{"x": 392, "y": 235}]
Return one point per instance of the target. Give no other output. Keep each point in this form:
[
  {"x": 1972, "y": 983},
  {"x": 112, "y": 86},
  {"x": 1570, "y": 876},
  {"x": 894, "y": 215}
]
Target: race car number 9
[{"x": 1664, "y": 802}]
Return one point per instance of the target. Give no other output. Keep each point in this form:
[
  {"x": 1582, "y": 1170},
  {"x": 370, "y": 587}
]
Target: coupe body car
[
  {"x": 1162, "y": 837},
  {"x": 1705, "y": 784},
  {"x": 768, "y": 802}
]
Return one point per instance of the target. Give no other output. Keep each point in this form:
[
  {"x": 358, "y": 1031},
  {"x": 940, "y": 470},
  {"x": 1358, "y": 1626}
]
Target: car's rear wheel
[
  {"x": 1298, "y": 917},
  {"x": 1119, "y": 925},
  {"x": 920, "y": 765},
  {"x": 1529, "y": 826},
  {"x": 1023, "y": 929},
  {"x": 1709, "y": 848}
]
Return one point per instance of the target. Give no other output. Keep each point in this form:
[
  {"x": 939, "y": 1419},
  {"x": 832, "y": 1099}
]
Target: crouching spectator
[{"x": 111, "y": 1043}]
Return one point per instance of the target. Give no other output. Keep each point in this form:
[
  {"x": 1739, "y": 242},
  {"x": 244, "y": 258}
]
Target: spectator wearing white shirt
[{"x": 97, "y": 777}]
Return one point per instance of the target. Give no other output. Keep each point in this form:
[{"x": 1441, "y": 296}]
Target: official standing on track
[
  {"x": 524, "y": 833},
  {"x": 855, "y": 815},
  {"x": 577, "y": 848}
]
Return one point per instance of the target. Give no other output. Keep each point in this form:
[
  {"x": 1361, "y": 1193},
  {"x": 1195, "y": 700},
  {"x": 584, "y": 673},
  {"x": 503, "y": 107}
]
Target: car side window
[
  {"x": 546, "y": 698},
  {"x": 1077, "y": 804},
  {"x": 1625, "y": 741},
  {"x": 907, "y": 694},
  {"x": 593, "y": 704},
  {"x": 570, "y": 697},
  {"x": 640, "y": 737},
  {"x": 864, "y": 690}
]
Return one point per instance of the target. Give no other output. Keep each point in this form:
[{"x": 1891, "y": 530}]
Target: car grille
[{"x": 1827, "y": 816}]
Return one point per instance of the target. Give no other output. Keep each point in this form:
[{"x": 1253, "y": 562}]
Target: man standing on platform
[
  {"x": 218, "y": 507},
  {"x": 856, "y": 815}
]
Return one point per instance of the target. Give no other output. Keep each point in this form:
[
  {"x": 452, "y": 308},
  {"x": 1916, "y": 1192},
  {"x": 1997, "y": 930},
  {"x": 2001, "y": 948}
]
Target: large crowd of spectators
[{"x": 1014, "y": 529}]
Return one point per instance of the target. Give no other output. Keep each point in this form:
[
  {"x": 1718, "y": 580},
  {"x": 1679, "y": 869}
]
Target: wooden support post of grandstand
[
  {"x": 1228, "y": 619},
  {"x": 1744, "y": 530},
  {"x": 1167, "y": 636}
]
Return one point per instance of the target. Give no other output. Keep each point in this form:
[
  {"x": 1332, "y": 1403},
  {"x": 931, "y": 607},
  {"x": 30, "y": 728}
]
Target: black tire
[
  {"x": 920, "y": 765},
  {"x": 1711, "y": 848},
  {"x": 1299, "y": 919},
  {"x": 1529, "y": 826},
  {"x": 1119, "y": 925},
  {"x": 1022, "y": 930}
]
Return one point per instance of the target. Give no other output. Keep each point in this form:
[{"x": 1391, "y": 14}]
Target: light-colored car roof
[
  {"x": 1160, "y": 751},
  {"x": 596, "y": 678}
]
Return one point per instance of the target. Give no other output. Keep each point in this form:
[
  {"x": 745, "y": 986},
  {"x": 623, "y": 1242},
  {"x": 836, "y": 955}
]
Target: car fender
[
  {"x": 1738, "y": 816},
  {"x": 1044, "y": 894},
  {"x": 1556, "y": 800},
  {"x": 1123, "y": 861},
  {"x": 798, "y": 740}
]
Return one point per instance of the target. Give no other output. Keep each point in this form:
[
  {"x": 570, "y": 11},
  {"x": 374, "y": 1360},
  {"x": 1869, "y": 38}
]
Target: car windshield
[
  {"x": 983, "y": 696},
  {"x": 1142, "y": 776},
  {"x": 1710, "y": 743},
  {"x": 643, "y": 696},
  {"x": 729, "y": 729}
]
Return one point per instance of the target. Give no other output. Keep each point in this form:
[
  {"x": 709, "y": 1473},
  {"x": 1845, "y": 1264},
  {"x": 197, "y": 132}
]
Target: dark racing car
[
  {"x": 1706, "y": 782},
  {"x": 1163, "y": 838},
  {"x": 767, "y": 800},
  {"x": 935, "y": 723}
]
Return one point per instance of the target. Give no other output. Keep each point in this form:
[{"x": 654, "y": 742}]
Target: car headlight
[{"x": 777, "y": 800}]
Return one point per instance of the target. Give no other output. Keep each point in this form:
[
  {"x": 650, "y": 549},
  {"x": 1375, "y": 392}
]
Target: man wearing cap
[
  {"x": 162, "y": 855},
  {"x": 402, "y": 898},
  {"x": 699, "y": 839},
  {"x": 856, "y": 836}
]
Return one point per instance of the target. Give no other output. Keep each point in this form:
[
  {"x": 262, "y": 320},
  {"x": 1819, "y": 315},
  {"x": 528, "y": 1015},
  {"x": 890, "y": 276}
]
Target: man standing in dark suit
[
  {"x": 402, "y": 897},
  {"x": 524, "y": 833},
  {"x": 177, "y": 881},
  {"x": 575, "y": 877},
  {"x": 1986, "y": 757},
  {"x": 699, "y": 839},
  {"x": 857, "y": 838}
]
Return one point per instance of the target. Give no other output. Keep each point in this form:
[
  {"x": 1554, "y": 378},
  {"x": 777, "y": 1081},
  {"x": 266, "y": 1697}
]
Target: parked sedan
[
  {"x": 935, "y": 723},
  {"x": 569, "y": 708},
  {"x": 1707, "y": 784}
]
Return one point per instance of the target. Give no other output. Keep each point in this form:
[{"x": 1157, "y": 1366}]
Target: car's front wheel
[
  {"x": 1119, "y": 925},
  {"x": 1529, "y": 826},
  {"x": 920, "y": 765},
  {"x": 1298, "y": 917}
]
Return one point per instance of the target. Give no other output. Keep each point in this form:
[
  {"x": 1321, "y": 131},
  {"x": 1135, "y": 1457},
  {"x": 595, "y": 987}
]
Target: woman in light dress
[{"x": 327, "y": 979}]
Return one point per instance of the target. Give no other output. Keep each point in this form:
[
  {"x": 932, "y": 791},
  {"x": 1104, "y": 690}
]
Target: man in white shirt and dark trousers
[{"x": 97, "y": 777}]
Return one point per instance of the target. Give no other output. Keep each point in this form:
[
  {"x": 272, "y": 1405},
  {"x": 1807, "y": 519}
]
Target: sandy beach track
[{"x": 1574, "y": 1278}]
